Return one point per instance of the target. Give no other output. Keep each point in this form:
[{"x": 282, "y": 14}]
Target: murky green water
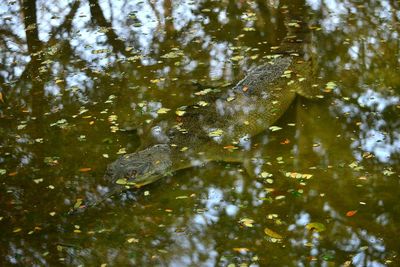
[{"x": 80, "y": 80}]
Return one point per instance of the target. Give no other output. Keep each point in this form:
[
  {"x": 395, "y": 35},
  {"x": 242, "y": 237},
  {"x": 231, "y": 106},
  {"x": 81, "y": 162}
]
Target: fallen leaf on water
[
  {"x": 230, "y": 147},
  {"x": 78, "y": 203},
  {"x": 1, "y": 97},
  {"x": 132, "y": 240},
  {"x": 275, "y": 128},
  {"x": 36, "y": 181},
  {"x": 85, "y": 169},
  {"x": 351, "y": 213},
  {"x": 272, "y": 234},
  {"x": 285, "y": 142},
  {"x": 163, "y": 110},
  {"x": 216, "y": 133},
  {"x": 122, "y": 181},
  {"x": 315, "y": 226},
  {"x": 180, "y": 112},
  {"x": 241, "y": 250},
  {"x": 246, "y": 222}
]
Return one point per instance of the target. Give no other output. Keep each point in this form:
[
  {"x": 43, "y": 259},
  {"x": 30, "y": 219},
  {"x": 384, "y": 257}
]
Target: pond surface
[{"x": 80, "y": 81}]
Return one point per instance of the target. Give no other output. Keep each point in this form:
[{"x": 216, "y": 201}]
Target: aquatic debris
[
  {"x": 297, "y": 175},
  {"x": 180, "y": 113},
  {"x": 173, "y": 54},
  {"x": 315, "y": 226},
  {"x": 85, "y": 169},
  {"x": 246, "y": 222},
  {"x": 163, "y": 110},
  {"x": 272, "y": 233},
  {"x": 351, "y": 213},
  {"x": 275, "y": 128},
  {"x": 216, "y": 133}
]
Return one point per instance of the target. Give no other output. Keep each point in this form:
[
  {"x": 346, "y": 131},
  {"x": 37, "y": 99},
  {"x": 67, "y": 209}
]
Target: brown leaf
[
  {"x": 351, "y": 213},
  {"x": 85, "y": 169},
  {"x": 1, "y": 97}
]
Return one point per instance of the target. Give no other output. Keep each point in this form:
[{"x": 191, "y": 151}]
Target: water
[{"x": 81, "y": 80}]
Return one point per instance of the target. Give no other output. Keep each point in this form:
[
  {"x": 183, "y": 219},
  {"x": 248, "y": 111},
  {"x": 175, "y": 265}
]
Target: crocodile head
[
  {"x": 133, "y": 171},
  {"x": 140, "y": 168}
]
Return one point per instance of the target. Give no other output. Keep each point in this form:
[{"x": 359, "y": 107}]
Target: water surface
[{"x": 80, "y": 80}]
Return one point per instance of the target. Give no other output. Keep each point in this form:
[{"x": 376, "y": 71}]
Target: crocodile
[
  {"x": 217, "y": 127},
  {"x": 214, "y": 129}
]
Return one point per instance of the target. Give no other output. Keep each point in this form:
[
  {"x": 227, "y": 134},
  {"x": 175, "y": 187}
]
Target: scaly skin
[{"x": 203, "y": 133}]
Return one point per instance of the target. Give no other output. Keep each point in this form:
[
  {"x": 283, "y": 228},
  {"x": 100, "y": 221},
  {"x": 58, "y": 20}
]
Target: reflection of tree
[
  {"x": 27, "y": 84},
  {"x": 113, "y": 39}
]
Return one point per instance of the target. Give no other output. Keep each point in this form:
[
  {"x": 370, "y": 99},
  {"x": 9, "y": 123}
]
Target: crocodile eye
[{"x": 133, "y": 174}]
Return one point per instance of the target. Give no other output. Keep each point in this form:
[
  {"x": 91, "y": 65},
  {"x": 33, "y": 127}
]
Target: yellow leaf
[
  {"x": 246, "y": 222},
  {"x": 180, "y": 112},
  {"x": 78, "y": 203},
  {"x": 272, "y": 234},
  {"x": 1, "y": 97},
  {"x": 163, "y": 110},
  {"x": 215, "y": 133},
  {"x": 132, "y": 240}
]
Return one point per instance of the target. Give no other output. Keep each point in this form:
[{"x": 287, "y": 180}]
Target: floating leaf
[
  {"x": 122, "y": 181},
  {"x": 266, "y": 175},
  {"x": 272, "y": 234},
  {"x": 1, "y": 97},
  {"x": 297, "y": 175},
  {"x": 351, "y": 213},
  {"x": 163, "y": 110},
  {"x": 51, "y": 161},
  {"x": 21, "y": 126},
  {"x": 275, "y": 128},
  {"x": 241, "y": 250},
  {"x": 237, "y": 58},
  {"x": 231, "y": 98},
  {"x": 132, "y": 240},
  {"x": 121, "y": 151},
  {"x": 3, "y": 171},
  {"x": 330, "y": 85},
  {"x": 203, "y": 92},
  {"x": 173, "y": 54},
  {"x": 181, "y": 197},
  {"x": 78, "y": 203},
  {"x": 85, "y": 169},
  {"x": 215, "y": 133},
  {"x": 180, "y": 112},
  {"x": 328, "y": 257},
  {"x": 246, "y": 222},
  {"x": 315, "y": 226},
  {"x": 230, "y": 147},
  {"x": 202, "y": 103},
  {"x": 249, "y": 29},
  {"x": 388, "y": 172}
]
